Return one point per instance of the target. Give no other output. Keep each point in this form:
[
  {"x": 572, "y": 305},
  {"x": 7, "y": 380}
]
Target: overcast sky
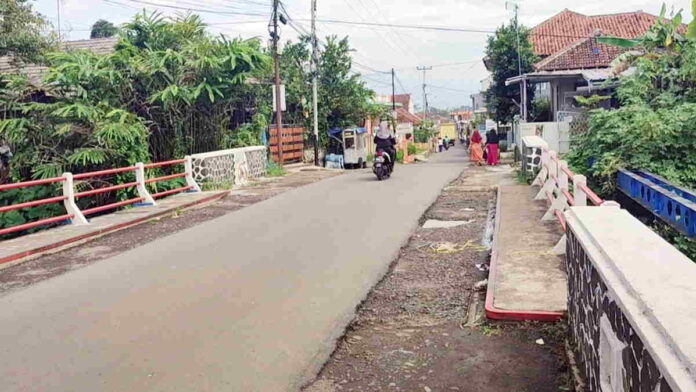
[{"x": 455, "y": 56}]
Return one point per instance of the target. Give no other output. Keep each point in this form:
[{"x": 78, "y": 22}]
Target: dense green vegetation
[
  {"x": 25, "y": 33},
  {"x": 653, "y": 129}
]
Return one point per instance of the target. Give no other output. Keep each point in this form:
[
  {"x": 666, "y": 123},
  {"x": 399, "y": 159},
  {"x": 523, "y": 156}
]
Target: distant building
[
  {"x": 478, "y": 100},
  {"x": 406, "y": 119}
]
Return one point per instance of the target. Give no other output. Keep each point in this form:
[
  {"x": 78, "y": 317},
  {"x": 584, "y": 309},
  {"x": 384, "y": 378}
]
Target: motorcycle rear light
[{"x": 379, "y": 153}]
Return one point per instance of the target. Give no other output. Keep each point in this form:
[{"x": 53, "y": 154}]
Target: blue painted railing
[{"x": 673, "y": 204}]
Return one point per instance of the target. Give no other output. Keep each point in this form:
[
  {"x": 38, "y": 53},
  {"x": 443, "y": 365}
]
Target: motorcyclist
[{"x": 386, "y": 141}]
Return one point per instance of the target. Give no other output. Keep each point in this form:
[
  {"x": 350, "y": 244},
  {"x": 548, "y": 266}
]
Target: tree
[
  {"x": 501, "y": 60},
  {"x": 653, "y": 127},
  {"x": 343, "y": 99},
  {"x": 103, "y": 29},
  {"x": 23, "y": 32}
]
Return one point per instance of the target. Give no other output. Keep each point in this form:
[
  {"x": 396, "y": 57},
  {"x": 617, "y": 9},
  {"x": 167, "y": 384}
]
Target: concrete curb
[
  {"x": 20, "y": 257},
  {"x": 494, "y": 313}
]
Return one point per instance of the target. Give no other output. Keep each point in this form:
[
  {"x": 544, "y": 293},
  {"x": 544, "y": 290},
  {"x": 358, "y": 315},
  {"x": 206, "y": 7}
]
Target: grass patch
[
  {"x": 275, "y": 170},
  {"x": 524, "y": 178},
  {"x": 490, "y": 329}
]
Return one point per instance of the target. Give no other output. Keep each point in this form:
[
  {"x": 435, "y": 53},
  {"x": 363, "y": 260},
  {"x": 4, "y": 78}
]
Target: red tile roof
[
  {"x": 583, "y": 54},
  {"x": 404, "y": 116},
  {"x": 567, "y": 27}
]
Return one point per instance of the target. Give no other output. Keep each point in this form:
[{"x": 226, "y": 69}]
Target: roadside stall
[{"x": 347, "y": 146}]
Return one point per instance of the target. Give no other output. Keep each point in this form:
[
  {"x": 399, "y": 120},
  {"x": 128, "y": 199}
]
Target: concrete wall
[
  {"x": 556, "y": 134},
  {"x": 631, "y": 309},
  {"x": 225, "y": 168}
]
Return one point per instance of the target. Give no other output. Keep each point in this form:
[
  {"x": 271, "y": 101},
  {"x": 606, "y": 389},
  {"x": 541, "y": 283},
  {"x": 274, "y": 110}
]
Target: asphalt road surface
[{"x": 251, "y": 301}]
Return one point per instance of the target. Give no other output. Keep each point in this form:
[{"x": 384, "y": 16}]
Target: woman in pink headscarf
[{"x": 476, "y": 149}]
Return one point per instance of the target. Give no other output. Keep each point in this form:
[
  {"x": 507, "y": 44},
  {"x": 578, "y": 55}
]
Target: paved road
[{"x": 251, "y": 301}]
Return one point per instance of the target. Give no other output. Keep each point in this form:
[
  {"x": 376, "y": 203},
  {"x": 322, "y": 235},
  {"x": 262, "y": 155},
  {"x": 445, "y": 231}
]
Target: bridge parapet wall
[
  {"x": 224, "y": 168},
  {"x": 631, "y": 299}
]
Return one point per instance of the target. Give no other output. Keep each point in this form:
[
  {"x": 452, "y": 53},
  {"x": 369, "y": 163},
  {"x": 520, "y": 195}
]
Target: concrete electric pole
[
  {"x": 276, "y": 63},
  {"x": 425, "y": 104},
  {"x": 523, "y": 82},
  {"x": 315, "y": 70},
  {"x": 393, "y": 92}
]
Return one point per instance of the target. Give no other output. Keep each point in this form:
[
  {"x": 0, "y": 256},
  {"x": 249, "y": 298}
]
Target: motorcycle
[{"x": 382, "y": 166}]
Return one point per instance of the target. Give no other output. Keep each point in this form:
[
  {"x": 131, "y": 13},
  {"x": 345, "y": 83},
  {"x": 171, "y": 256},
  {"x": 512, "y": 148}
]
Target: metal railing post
[
  {"x": 188, "y": 168},
  {"x": 69, "y": 202},
  {"x": 142, "y": 189}
]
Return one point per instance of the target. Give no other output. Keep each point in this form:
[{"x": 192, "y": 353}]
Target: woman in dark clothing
[
  {"x": 386, "y": 141},
  {"x": 492, "y": 147}
]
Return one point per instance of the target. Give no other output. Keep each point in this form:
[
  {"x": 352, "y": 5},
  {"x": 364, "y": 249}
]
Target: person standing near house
[
  {"x": 475, "y": 148},
  {"x": 492, "y": 149}
]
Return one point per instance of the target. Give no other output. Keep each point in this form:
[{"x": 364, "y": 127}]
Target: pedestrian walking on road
[
  {"x": 440, "y": 145},
  {"x": 475, "y": 148},
  {"x": 492, "y": 147}
]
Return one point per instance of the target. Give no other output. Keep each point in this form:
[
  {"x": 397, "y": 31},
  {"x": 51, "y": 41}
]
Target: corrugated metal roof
[{"x": 35, "y": 72}]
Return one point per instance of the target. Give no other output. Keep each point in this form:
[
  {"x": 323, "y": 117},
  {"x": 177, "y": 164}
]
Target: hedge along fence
[{"x": 68, "y": 210}]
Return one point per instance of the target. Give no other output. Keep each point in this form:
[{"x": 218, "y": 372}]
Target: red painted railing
[
  {"x": 556, "y": 177},
  {"x": 33, "y": 203},
  {"x": 68, "y": 198}
]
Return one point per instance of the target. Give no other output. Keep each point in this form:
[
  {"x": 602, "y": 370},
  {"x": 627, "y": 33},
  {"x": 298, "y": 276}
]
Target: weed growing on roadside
[
  {"x": 488, "y": 329},
  {"x": 275, "y": 170}
]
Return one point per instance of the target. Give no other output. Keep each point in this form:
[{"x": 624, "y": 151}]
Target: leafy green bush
[
  {"x": 400, "y": 156},
  {"x": 412, "y": 150}
]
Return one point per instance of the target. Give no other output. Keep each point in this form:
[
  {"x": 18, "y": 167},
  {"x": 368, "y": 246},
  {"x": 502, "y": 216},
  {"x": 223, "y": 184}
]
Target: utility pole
[
  {"x": 425, "y": 103},
  {"x": 315, "y": 70},
  {"x": 393, "y": 93},
  {"x": 523, "y": 82},
  {"x": 59, "y": 29},
  {"x": 276, "y": 62}
]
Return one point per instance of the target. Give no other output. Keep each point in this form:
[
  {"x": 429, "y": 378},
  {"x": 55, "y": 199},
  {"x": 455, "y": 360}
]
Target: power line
[
  {"x": 400, "y": 84},
  {"x": 197, "y": 9},
  {"x": 450, "y": 89},
  {"x": 384, "y": 38}
]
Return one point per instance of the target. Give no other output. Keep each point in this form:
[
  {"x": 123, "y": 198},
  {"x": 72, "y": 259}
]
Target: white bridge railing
[{"x": 555, "y": 180}]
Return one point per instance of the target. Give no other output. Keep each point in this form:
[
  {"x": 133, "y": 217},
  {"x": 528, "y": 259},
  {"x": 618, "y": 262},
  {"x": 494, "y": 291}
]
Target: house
[
  {"x": 405, "y": 117},
  {"x": 35, "y": 72},
  {"x": 478, "y": 100},
  {"x": 573, "y": 61}
]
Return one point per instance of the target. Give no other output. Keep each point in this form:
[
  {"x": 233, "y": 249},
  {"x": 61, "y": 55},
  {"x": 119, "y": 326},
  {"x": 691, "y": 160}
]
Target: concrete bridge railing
[
  {"x": 226, "y": 167},
  {"x": 631, "y": 299},
  {"x": 555, "y": 180}
]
